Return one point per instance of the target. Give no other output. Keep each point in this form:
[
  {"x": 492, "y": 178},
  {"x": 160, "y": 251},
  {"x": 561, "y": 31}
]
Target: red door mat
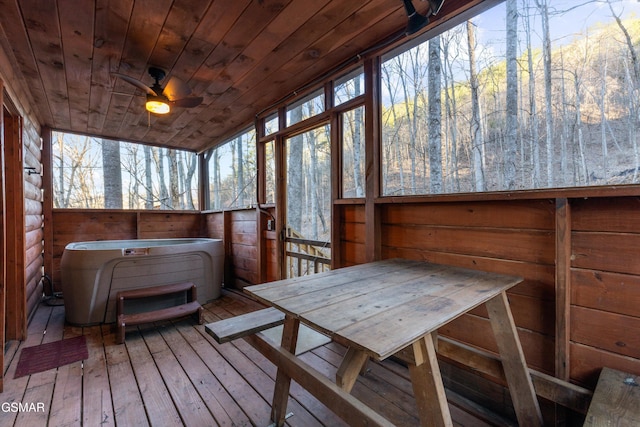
[{"x": 51, "y": 355}]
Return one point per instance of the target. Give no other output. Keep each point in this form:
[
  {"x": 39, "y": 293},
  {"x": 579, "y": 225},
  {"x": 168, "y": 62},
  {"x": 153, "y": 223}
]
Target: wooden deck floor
[{"x": 174, "y": 374}]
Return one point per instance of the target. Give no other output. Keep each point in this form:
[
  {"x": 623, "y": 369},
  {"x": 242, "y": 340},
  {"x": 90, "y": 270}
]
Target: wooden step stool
[{"x": 190, "y": 307}]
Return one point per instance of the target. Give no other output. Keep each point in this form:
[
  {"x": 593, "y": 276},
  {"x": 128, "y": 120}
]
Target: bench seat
[
  {"x": 245, "y": 324},
  {"x": 616, "y": 400}
]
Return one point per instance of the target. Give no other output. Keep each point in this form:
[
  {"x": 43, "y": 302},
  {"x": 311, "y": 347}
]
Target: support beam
[{"x": 342, "y": 403}]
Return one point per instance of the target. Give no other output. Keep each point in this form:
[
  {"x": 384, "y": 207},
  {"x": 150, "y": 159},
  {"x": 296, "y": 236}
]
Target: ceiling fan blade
[
  {"x": 188, "y": 102},
  {"x": 136, "y": 83},
  {"x": 176, "y": 89}
]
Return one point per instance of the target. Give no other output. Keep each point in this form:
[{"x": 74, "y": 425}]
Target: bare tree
[
  {"x": 389, "y": 82},
  {"x": 174, "y": 179},
  {"x": 511, "y": 143},
  {"x": 477, "y": 139},
  {"x": 148, "y": 203},
  {"x": 546, "y": 60},
  {"x": 435, "y": 116},
  {"x": 295, "y": 193},
  {"x": 533, "y": 112},
  {"x": 634, "y": 84},
  {"x": 112, "y": 171}
]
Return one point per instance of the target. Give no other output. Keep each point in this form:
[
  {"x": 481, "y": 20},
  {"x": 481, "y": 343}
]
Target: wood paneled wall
[
  {"x": 519, "y": 237},
  {"x": 79, "y": 225},
  {"x": 239, "y": 230},
  {"x": 605, "y": 287}
]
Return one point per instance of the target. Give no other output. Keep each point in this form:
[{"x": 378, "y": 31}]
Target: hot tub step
[{"x": 190, "y": 307}]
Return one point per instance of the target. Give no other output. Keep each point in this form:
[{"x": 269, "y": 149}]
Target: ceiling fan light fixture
[{"x": 157, "y": 105}]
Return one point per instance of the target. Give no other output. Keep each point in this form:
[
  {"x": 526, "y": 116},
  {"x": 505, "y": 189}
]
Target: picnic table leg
[
  {"x": 428, "y": 388},
  {"x": 521, "y": 388},
  {"x": 283, "y": 381},
  {"x": 350, "y": 367}
]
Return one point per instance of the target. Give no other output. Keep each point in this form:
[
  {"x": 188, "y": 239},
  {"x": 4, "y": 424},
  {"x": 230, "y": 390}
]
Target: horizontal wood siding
[
  {"x": 243, "y": 247},
  {"x": 512, "y": 237},
  {"x": 352, "y": 235},
  {"x": 214, "y": 225},
  {"x": 79, "y": 225},
  {"x": 605, "y": 293},
  {"x": 153, "y": 225}
]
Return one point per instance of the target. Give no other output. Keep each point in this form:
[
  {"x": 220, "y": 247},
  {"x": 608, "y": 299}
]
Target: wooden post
[
  {"x": 521, "y": 388},
  {"x": 350, "y": 368},
  {"x": 283, "y": 380},
  {"x": 428, "y": 388},
  {"x": 372, "y": 158}
]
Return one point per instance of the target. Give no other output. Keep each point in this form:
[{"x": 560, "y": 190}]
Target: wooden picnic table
[{"x": 383, "y": 308}]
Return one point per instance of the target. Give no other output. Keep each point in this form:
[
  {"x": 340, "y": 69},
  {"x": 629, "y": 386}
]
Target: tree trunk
[
  {"x": 174, "y": 180},
  {"x": 533, "y": 112},
  {"x": 112, "y": 171},
  {"x": 240, "y": 159},
  {"x": 477, "y": 140},
  {"x": 435, "y": 116},
  {"x": 511, "y": 143},
  {"x": 295, "y": 177},
  {"x": 148, "y": 183},
  {"x": 546, "y": 60}
]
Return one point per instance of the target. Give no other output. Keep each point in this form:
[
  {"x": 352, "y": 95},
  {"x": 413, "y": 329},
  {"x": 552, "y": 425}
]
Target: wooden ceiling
[{"x": 241, "y": 56}]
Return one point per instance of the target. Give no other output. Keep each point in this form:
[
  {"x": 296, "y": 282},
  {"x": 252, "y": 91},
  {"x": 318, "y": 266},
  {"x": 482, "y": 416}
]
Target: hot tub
[{"x": 93, "y": 273}]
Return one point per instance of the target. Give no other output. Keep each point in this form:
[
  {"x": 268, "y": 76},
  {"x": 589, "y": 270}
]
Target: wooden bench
[
  {"x": 190, "y": 307},
  {"x": 616, "y": 400},
  {"x": 245, "y": 324}
]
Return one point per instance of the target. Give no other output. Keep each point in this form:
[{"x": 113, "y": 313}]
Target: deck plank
[
  {"x": 128, "y": 408},
  {"x": 66, "y": 403},
  {"x": 261, "y": 381},
  {"x": 174, "y": 373},
  {"x": 40, "y": 385},
  {"x": 252, "y": 403},
  {"x": 220, "y": 403},
  {"x": 193, "y": 409},
  {"x": 97, "y": 406},
  {"x": 157, "y": 399}
]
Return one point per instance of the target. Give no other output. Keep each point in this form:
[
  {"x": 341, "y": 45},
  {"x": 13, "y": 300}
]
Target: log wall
[
  {"x": 27, "y": 291},
  {"x": 34, "y": 219}
]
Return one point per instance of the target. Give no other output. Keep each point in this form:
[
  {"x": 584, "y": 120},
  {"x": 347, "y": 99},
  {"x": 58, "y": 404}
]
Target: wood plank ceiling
[{"x": 241, "y": 56}]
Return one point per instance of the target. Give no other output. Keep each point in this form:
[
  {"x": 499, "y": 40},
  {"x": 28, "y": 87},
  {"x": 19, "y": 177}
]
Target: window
[
  {"x": 232, "y": 172},
  {"x": 480, "y": 108},
  {"x": 348, "y": 87},
  {"x": 353, "y": 159},
  {"x": 96, "y": 173},
  {"x": 270, "y": 172},
  {"x": 305, "y": 108},
  {"x": 308, "y": 158},
  {"x": 271, "y": 124}
]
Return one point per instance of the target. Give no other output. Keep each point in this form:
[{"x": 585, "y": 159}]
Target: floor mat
[{"x": 51, "y": 355}]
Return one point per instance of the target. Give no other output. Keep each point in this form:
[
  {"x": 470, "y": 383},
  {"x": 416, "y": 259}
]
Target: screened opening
[
  {"x": 353, "y": 153},
  {"x": 306, "y": 107},
  {"x": 499, "y": 103},
  {"x": 97, "y": 173},
  {"x": 233, "y": 173},
  {"x": 349, "y": 87}
]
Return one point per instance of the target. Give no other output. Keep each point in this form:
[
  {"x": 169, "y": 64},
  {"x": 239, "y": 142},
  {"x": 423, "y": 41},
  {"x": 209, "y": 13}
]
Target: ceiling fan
[{"x": 176, "y": 93}]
